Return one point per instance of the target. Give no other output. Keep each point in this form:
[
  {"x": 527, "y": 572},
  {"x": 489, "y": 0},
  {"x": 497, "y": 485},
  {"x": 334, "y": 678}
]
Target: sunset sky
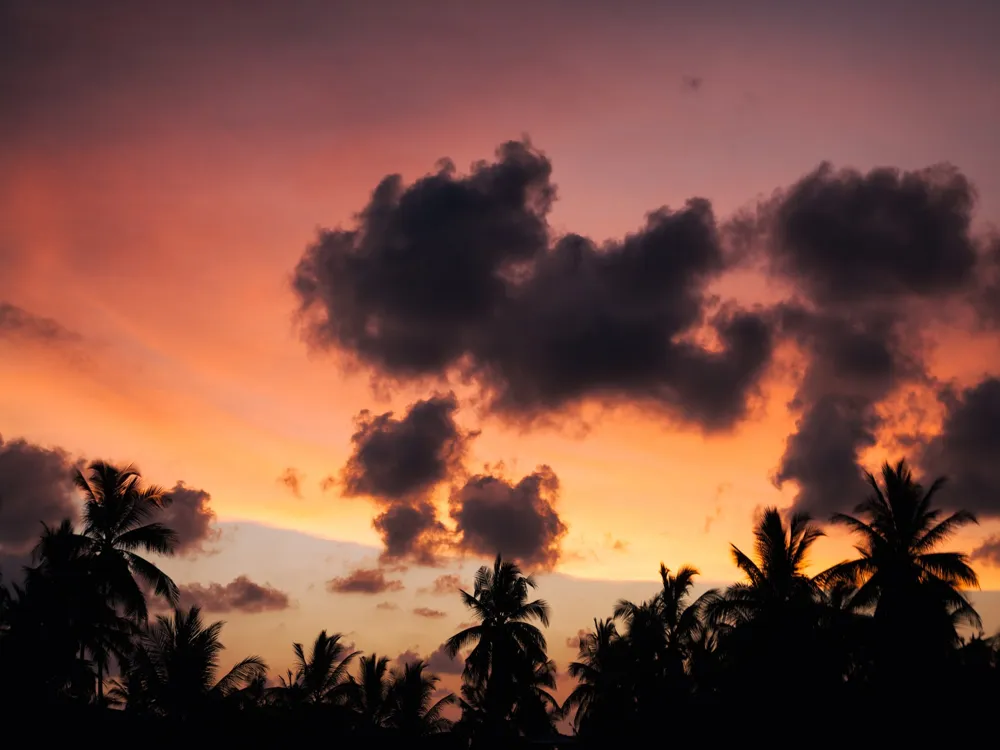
[{"x": 208, "y": 270}]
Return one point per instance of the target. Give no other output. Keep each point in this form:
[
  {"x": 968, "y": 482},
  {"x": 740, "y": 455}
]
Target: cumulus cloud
[
  {"x": 517, "y": 520},
  {"x": 188, "y": 513},
  {"x": 988, "y": 552},
  {"x": 875, "y": 255},
  {"x": 397, "y": 462},
  {"x": 407, "y": 657},
  {"x": 386, "y": 606},
  {"x": 433, "y": 614},
  {"x": 439, "y": 662},
  {"x": 239, "y": 595},
  {"x": 292, "y": 479},
  {"x": 16, "y": 322},
  {"x": 36, "y": 487},
  {"x": 967, "y": 448},
  {"x": 363, "y": 581},
  {"x": 460, "y": 273},
  {"x": 444, "y": 585}
]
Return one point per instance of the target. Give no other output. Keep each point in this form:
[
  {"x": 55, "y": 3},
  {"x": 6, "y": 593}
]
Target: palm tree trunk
[{"x": 100, "y": 682}]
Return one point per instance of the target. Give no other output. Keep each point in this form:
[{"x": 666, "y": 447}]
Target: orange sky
[{"x": 161, "y": 176}]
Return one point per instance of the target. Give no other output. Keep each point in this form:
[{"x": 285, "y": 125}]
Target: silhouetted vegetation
[{"x": 780, "y": 647}]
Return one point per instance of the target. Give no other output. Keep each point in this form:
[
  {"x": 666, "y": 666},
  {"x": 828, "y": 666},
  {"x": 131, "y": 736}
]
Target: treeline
[{"x": 878, "y": 636}]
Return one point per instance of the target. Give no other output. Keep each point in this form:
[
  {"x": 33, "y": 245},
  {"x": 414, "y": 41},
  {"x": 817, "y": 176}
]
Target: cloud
[
  {"x": 394, "y": 459},
  {"x": 433, "y": 614},
  {"x": 988, "y": 552},
  {"x": 386, "y": 606},
  {"x": 460, "y": 274},
  {"x": 16, "y": 322},
  {"x": 407, "y": 657},
  {"x": 439, "y": 662},
  {"x": 692, "y": 83},
  {"x": 292, "y": 479},
  {"x": 876, "y": 257},
  {"x": 574, "y": 640},
  {"x": 239, "y": 595},
  {"x": 397, "y": 462},
  {"x": 36, "y": 487},
  {"x": 363, "y": 581},
  {"x": 444, "y": 585},
  {"x": 518, "y": 520},
  {"x": 967, "y": 448},
  {"x": 188, "y": 513}
]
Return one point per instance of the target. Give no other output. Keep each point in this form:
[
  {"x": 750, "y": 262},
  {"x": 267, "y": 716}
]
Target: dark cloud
[
  {"x": 692, "y": 83},
  {"x": 434, "y": 614},
  {"x": 967, "y": 449},
  {"x": 394, "y": 459},
  {"x": 411, "y": 531},
  {"x": 876, "y": 256},
  {"x": 397, "y": 462},
  {"x": 574, "y": 641},
  {"x": 458, "y": 274},
  {"x": 407, "y": 657},
  {"x": 188, "y": 513},
  {"x": 850, "y": 237},
  {"x": 292, "y": 479},
  {"x": 386, "y": 606},
  {"x": 239, "y": 595},
  {"x": 445, "y": 585},
  {"x": 439, "y": 662},
  {"x": 988, "y": 552},
  {"x": 36, "y": 487},
  {"x": 517, "y": 520},
  {"x": 16, "y": 322},
  {"x": 363, "y": 581}
]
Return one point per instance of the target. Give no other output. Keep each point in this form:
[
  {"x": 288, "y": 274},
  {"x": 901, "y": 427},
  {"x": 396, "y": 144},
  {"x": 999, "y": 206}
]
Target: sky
[{"x": 373, "y": 291}]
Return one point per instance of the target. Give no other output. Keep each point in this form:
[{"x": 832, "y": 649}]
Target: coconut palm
[
  {"x": 601, "y": 672},
  {"x": 369, "y": 692},
  {"x": 899, "y": 573},
  {"x": 322, "y": 676},
  {"x": 776, "y": 580},
  {"x": 414, "y": 713},
  {"x": 174, "y": 667}
]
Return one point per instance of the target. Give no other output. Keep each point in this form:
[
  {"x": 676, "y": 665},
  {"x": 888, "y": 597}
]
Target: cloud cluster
[
  {"x": 444, "y": 585},
  {"x": 239, "y": 595},
  {"x": 433, "y": 614},
  {"x": 459, "y": 277},
  {"x": 518, "y": 520},
  {"x": 460, "y": 274},
  {"x": 363, "y": 581},
  {"x": 440, "y": 662},
  {"x": 187, "y": 512},
  {"x": 36, "y": 487},
  {"x": 16, "y": 322}
]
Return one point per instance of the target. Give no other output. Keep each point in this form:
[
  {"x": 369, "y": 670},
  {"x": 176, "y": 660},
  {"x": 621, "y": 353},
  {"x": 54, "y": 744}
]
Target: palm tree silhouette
[
  {"x": 914, "y": 590},
  {"x": 414, "y": 712},
  {"x": 600, "y": 670},
  {"x": 507, "y": 644},
  {"x": 369, "y": 693},
  {"x": 321, "y": 677},
  {"x": 175, "y": 666}
]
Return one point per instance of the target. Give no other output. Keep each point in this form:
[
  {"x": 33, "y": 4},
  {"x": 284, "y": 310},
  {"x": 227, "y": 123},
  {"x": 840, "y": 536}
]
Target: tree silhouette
[
  {"x": 174, "y": 667},
  {"x": 602, "y": 697},
  {"x": 322, "y": 677},
  {"x": 414, "y": 713},
  {"x": 369, "y": 693},
  {"x": 508, "y": 647}
]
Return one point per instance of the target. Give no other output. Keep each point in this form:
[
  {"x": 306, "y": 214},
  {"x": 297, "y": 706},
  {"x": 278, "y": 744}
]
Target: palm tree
[
  {"x": 413, "y": 710},
  {"x": 777, "y": 578},
  {"x": 601, "y": 671},
  {"x": 175, "y": 666},
  {"x": 322, "y": 677},
  {"x": 116, "y": 510},
  {"x": 505, "y": 639},
  {"x": 913, "y": 590},
  {"x": 369, "y": 693}
]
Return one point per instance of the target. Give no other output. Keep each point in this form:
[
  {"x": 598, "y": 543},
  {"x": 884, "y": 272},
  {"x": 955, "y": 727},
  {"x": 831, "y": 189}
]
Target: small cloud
[
  {"x": 615, "y": 545},
  {"x": 17, "y": 322},
  {"x": 692, "y": 83},
  {"x": 410, "y": 656},
  {"x": 434, "y": 614},
  {"x": 717, "y": 513},
  {"x": 443, "y": 586},
  {"x": 363, "y": 581},
  {"x": 328, "y": 483},
  {"x": 239, "y": 595},
  {"x": 440, "y": 662},
  {"x": 386, "y": 606},
  {"x": 988, "y": 552},
  {"x": 574, "y": 640},
  {"x": 292, "y": 479}
]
